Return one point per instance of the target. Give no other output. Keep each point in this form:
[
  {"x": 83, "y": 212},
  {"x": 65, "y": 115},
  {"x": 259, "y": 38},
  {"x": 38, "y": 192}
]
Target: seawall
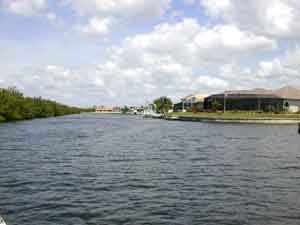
[{"x": 278, "y": 121}]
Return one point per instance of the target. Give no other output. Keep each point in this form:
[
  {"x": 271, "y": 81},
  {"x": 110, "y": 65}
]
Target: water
[{"x": 119, "y": 170}]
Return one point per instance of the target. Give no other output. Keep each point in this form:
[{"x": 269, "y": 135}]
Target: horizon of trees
[{"x": 15, "y": 106}]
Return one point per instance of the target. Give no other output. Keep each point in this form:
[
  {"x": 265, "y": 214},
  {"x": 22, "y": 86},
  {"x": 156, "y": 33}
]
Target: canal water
[{"x": 124, "y": 170}]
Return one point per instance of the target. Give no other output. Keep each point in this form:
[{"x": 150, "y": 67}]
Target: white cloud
[
  {"x": 54, "y": 19},
  {"x": 209, "y": 82},
  {"x": 97, "y": 26},
  {"x": 24, "y": 7},
  {"x": 277, "y": 18},
  {"x": 188, "y": 43},
  {"x": 228, "y": 41},
  {"x": 54, "y": 82},
  {"x": 240, "y": 76},
  {"x": 286, "y": 67},
  {"x": 101, "y": 13},
  {"x": 277, "y": 72},
  {"x": 216, "y": 7},
  {"x": 51, "y": 17},
  {"x": 172, "y": 59},
  {"x": 168, "y": 60},
  {"x": 132, "y": 9}
]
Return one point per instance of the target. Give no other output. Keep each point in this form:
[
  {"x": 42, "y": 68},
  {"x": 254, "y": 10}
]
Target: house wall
[
  {"x": 293, "y": 105},
  {"x": 187, "y": 106},
  {"x": 250, "y": 104}
]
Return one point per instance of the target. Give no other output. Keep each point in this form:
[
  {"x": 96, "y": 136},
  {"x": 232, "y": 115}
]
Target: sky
[{"x": 127, "y": 52}]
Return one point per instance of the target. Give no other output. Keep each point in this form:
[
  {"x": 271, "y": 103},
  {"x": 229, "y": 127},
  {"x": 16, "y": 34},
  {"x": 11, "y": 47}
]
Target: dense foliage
[
  {"x": 215, "y": 105},
  {"x": 15, "y": 106},
  {"x": 163, "y": 104},
  {"x": 125, "y": 110}
]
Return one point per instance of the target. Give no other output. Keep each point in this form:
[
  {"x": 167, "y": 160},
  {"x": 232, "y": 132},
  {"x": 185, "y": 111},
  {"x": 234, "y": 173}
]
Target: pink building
[{"x": 107, "y": 109}]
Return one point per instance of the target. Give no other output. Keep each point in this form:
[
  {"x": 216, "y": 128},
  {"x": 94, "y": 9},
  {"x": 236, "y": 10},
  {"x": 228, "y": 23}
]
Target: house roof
[
  {"x": 286, "y": 92},
  {"x": 254, "y": 92},
  {"x": 199, "y": 97}
]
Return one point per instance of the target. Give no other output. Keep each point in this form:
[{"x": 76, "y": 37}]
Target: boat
[
  {"x": 150, "y": 112},
  {"x": 2, "y": 222}
]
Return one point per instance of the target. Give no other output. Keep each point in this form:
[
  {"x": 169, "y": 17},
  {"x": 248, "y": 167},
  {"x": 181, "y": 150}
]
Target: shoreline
[{"x": 235, "y": 120}]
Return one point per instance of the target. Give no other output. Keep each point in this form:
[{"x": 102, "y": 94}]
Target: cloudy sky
[{"x": 117, "y": 52}]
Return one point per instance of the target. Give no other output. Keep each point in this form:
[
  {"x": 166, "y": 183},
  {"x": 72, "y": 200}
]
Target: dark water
[{"x": 118, "y": 170}]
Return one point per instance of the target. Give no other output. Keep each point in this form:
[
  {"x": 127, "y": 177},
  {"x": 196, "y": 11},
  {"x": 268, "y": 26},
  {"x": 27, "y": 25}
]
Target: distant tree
[
  {"x": 215, "y": 105},
  {"x": 125, "y": 110},
  {"x": 163, "y": 104}
]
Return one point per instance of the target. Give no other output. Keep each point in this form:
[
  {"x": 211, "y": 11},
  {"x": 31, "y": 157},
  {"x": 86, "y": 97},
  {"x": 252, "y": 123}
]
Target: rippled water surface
[{"x": 120, "y": 170}]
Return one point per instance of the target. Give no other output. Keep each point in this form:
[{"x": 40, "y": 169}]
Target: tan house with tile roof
[
  {"x": 282, "y": 99},
  {"x": 193, "y": 100}
]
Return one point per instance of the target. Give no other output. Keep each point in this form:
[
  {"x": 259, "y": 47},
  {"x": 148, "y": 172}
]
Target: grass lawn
[{"x": 235, "y": 115}]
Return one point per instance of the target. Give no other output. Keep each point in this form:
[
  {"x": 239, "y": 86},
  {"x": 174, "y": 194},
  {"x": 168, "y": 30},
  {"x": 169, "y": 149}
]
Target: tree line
[{"x": 15, "y": 106}]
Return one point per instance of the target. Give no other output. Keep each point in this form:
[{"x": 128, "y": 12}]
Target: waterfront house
[
  {"x": 191, "y": 101},
  {"x": 283, "y": 99},
  {"x": 136, "y": 110}
]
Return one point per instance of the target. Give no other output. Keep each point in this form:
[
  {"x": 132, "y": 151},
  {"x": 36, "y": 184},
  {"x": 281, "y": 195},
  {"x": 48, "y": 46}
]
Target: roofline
[{"x": 251, "y": 97}]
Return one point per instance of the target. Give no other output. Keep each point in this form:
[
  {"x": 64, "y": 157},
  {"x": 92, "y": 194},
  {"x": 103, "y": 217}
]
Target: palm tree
[
  {"x": 163, "y": 104},
  {"x": 215, "y": 105}
]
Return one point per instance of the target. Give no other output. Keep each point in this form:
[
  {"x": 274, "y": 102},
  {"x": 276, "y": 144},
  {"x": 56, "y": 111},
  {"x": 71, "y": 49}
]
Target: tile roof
[
  {"x": 286, "y": 92},
  {"x": 198, "y": 96},
  {"x": 289, "y": 92}
]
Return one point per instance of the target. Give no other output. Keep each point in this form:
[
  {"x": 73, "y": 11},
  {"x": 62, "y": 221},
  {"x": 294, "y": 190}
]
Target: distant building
[
  {"x": 107, "y": 109},
  {"x": 191, "y": 101},
  {"x": 286, "y": 98},
  {"x": 135, "y": 110}
]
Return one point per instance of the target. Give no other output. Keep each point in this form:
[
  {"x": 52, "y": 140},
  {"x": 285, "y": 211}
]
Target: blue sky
[{"x": 117, "y": 52}]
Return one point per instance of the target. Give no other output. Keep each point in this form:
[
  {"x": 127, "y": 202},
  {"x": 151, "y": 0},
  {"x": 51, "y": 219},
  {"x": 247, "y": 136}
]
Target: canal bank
[{"x": 239, "y": 118}]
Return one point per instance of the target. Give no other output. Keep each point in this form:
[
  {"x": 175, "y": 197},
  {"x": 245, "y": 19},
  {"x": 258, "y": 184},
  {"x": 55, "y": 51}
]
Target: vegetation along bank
[{"x": 15, "y": 106}]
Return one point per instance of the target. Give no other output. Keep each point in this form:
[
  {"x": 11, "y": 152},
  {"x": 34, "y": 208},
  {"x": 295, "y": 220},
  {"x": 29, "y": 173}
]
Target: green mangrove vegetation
[{"x": 15, "y": 106}]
